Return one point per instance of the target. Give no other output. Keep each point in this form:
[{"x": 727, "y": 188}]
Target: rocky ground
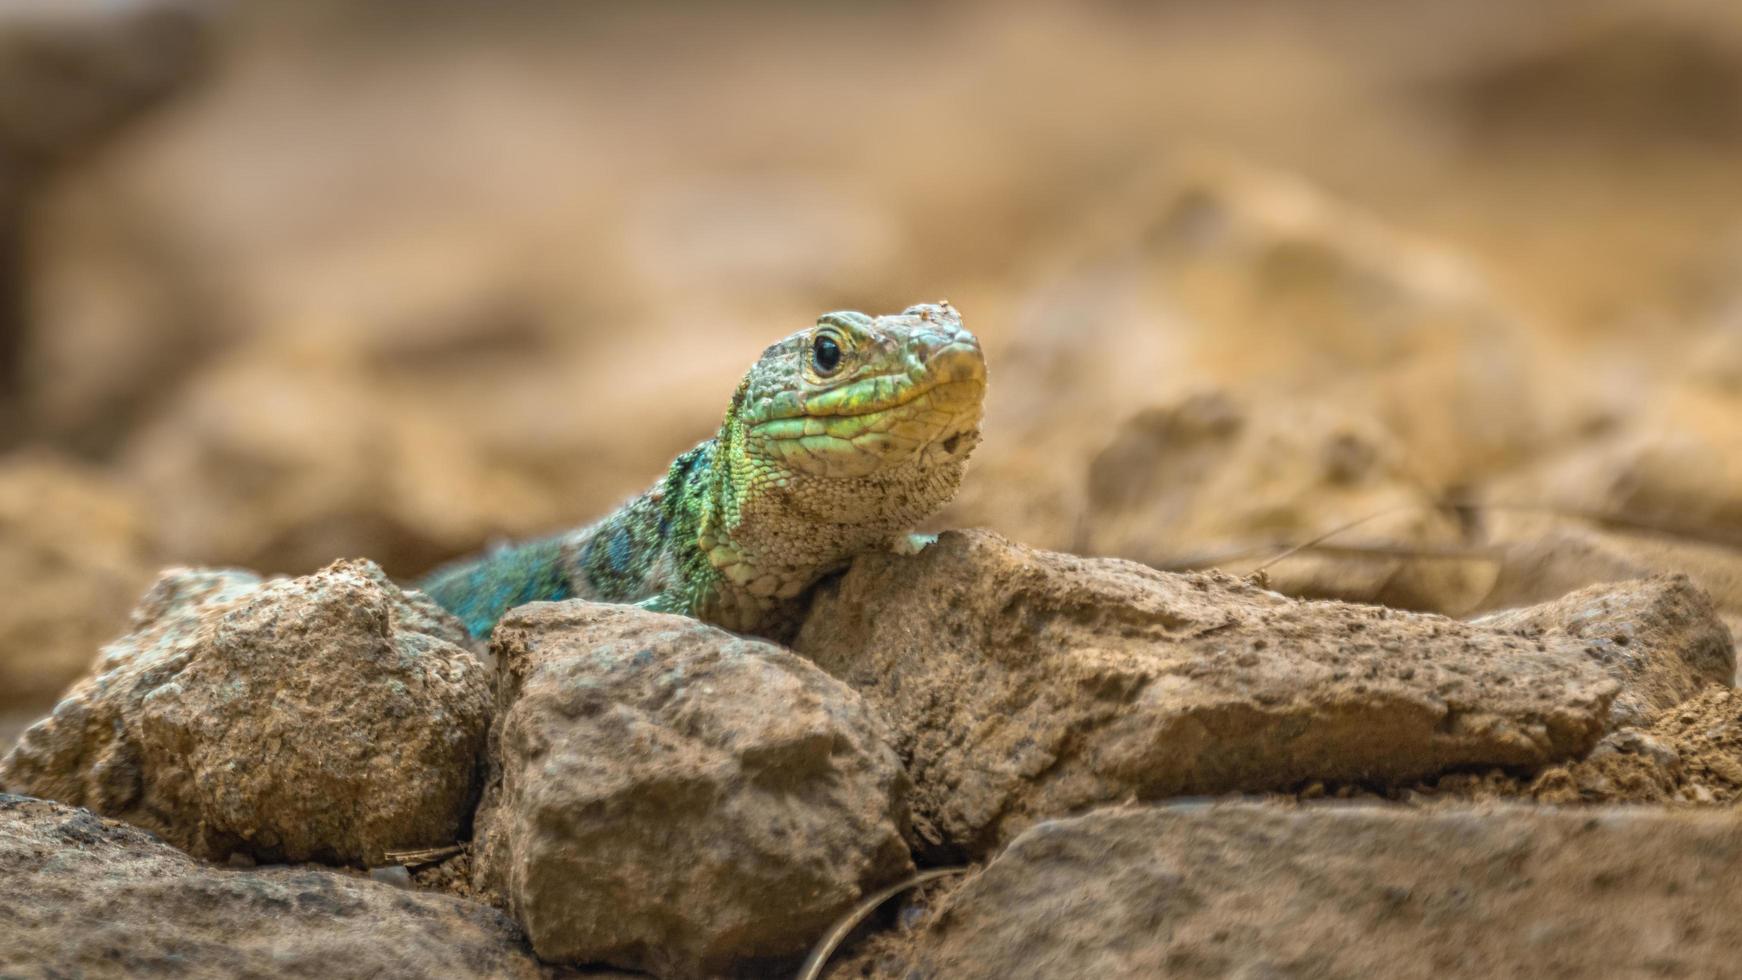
[{"x": 298, "y": 301}]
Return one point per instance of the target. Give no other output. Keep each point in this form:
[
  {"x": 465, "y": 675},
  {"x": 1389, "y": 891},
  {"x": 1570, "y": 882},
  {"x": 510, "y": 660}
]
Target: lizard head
[{"x": 854, "y": 396}]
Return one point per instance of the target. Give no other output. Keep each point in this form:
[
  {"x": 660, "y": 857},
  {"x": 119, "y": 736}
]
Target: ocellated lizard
[{"x": 839, "y": 440}]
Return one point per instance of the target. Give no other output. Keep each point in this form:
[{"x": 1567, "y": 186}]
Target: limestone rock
[
  {"x": 1025, "y": 685},
  {"x": 1544, "y": 558},
  {"x": 673, "y": 798},
  {"x": 1217, "y": 480},
  {"x": 1349, "y": 891},
  {"x": 329, "y": 717},
  {"x": 1210, "y": 267},
  {"x": 1675, "y": 464},
  {"x": 266, "y": 467},
  {"x": 94, "y": 898},
  {"x": 1660, "y": 637},
  {"x": 77, "y": 551}
]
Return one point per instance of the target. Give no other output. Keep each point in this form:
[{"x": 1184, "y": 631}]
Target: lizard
[{"x": 839, "y": 440}]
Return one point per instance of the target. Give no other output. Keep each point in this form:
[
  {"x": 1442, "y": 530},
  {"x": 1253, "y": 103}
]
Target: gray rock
[
  {"x": 1661, "y": 637},
  {"x": 1248, "y": 890},
  {"x": 1025, "y": 685},
  {"x": 670, "y": 797},
  {"x": 330, "y": 717},
  {"x": 90, "y": 897}
]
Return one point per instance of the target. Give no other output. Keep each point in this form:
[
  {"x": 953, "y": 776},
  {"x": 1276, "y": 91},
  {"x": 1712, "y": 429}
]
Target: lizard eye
[{"x": 825, "y": 354}]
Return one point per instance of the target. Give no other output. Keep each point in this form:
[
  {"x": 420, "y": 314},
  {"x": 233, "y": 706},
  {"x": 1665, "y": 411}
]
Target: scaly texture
[{"x": 839, "y": 440}]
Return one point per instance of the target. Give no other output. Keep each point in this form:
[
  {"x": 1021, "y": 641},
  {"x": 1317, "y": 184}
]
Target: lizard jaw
[
  {"x": 936, "y": 425},
  {"x": 925, "y": 412}
]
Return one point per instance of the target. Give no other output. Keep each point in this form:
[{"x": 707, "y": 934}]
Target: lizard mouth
[
  {"x": 957, "y": 363},
  {"x": 928, "y": 414}
]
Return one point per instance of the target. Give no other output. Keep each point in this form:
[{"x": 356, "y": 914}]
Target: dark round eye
[{"x": 825, "y": 354}]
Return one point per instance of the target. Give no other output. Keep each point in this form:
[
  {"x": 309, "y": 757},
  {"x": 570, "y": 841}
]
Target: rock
[
  {"x": 330, "y": 717},
  {"x": 119, "y": 317},
  {"x": 1657, "y": 494},
  {"x": 1610, "y": 83},
  {"x": 1661, "y": 638},
  {"x": 90, "y": 897},
  {"x": 78, "y": 550},
  {"x": 1349, "y": 891},
  {"x": 71, "y": 76},
  {"x": 279, "y": 458},
  {"x": 1690, "y": 754},
  {"x": 1216, "y": 480},
  {"x": 1212, "y": 268},
  {"x": 72, "y": 73},
  {"x": 1544, "y": 559},
  {"x": 1674, "y": 466},
  {"x": 1714, "y": 357},
  {"x": 1025, "y": 685},
  {"x": 676, "y": 799}
]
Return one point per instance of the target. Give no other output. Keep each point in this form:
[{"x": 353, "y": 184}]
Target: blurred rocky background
[{"x": 284, "y": 282}]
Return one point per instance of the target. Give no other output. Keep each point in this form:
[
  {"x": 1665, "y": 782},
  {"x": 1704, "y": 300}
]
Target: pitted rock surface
[
  {"x": 90, "y": 897},
  {"x": 1661, "y": 637},
  {"x": 1349, "y": 891},
  {"x": 669, "y": 797},
  {"x": 1239, "y": 478},
  {"x": 1026, "y": 684},
  {"x": 329, "y": 717}
]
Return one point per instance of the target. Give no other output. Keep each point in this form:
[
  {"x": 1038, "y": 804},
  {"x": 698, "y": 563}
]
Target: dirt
[{"x": 1692, "y": 755}]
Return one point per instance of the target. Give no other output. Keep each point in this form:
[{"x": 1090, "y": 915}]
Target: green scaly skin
[{"x": 819, "y": 458}]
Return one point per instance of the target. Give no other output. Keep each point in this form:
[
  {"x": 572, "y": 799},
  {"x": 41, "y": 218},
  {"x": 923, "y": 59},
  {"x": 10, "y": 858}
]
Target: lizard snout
[{"x": 947, "y": 356}]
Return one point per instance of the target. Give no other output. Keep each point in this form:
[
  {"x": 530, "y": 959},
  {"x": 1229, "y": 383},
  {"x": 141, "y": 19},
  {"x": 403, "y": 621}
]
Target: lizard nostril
[{"x": 957, "y": 358}]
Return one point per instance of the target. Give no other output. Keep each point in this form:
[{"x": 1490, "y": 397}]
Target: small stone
[
  {"x": 666, "y": 796},
  {"x": 330, "y": 717}
]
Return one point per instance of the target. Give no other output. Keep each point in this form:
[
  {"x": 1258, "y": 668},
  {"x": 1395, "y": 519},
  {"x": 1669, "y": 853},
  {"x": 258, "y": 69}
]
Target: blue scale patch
[
  {"x": 622, "y": 552},
  {"x": 478, "y": 593}
]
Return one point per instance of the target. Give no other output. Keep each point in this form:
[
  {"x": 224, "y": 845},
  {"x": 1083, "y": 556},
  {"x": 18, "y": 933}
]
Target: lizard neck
[
  {"x": 732, "y": 575},
  {"x": 761, "y": 539}
]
